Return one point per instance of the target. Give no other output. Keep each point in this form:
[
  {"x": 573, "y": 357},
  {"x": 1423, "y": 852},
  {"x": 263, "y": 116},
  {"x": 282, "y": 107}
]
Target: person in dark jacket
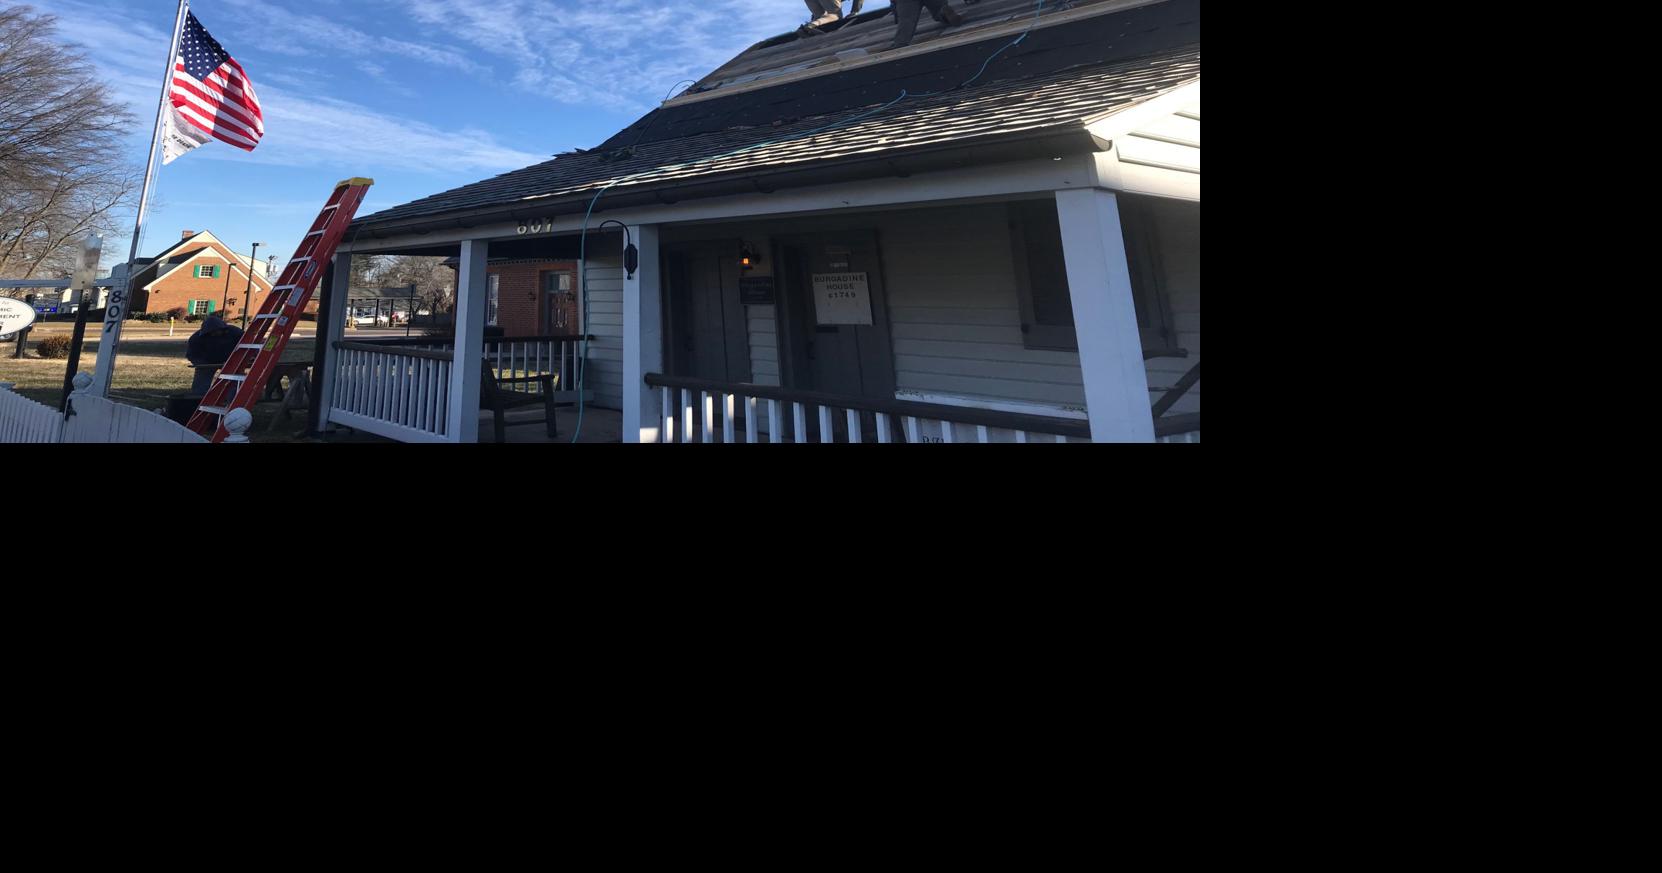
[{"x": 210, "y": 347}]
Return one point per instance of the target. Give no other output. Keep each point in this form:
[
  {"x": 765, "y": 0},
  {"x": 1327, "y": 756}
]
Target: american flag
[{"x": 212, "y": 96}]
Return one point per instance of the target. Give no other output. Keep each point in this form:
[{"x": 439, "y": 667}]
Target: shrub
[
  {"x": 177, "y": 313},
  {"x": 157, "y": 318},
  {"x": 53, "y": 348}
]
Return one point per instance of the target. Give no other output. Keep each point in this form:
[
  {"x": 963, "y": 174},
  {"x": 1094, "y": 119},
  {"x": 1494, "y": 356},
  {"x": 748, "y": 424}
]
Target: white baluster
[
  {"x": 854, "y": 433},
  {"x": 1061, "y": 439},
  {"x": 946, "y": 431},
  {"x": 750, "y": 421},
  {"x": 912, "y": 434},
  {"x": 981, "y": 434},
  {"x": 686, "y": 416},
  {"x": 1021, "y": 436},
  {"x": 826, "y": 434},
  {"x": 709, "y": 417},
  {"x": 883, "y": 429},
  {"x": 727, "y": 419},
  {"x": 776, "y": 428},
  {"x": 668, "y": 436}
]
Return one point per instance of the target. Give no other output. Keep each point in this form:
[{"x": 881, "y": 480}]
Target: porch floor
[{"x": 599, "y": 426}]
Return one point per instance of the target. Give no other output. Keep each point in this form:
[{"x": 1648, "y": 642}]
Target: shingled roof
[{"x": 1055, "y": 83}]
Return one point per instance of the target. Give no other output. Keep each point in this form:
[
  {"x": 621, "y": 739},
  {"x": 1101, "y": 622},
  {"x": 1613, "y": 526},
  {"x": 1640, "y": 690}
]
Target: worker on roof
[
  {"x": 906, "y": 17},
  {"x": 824, "y": 11}
]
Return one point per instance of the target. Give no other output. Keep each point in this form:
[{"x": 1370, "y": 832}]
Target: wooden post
[
  {"x": 331, "y": 321},
  {"x": 643, "y": 339},
  {"x": 471, "y": 292},
  {"x": 1105, "y": 316}
]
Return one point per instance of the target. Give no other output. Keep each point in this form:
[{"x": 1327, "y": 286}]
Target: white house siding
[
  {"x": 763, "y": 322},
  {"x": 1179, "y": 232},
  {"x": 604, "y": 280},
  {"x": 1170, "y": 142},
  {"x": 955, "y": 315}
]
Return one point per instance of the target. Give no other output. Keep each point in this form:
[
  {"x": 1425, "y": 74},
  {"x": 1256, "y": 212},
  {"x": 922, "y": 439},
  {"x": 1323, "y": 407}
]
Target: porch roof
[{"x": 1058, "y": 104}]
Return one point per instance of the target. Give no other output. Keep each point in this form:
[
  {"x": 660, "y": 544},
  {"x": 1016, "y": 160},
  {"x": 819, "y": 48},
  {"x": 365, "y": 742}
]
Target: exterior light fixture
[
  {"x": 631, "y": 255},
  {"x": 748, "y": 259}
]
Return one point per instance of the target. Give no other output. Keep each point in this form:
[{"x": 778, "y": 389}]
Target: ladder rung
[
  {"x": 251, "y": 346},
  {"x": 215, "y": 410},
  {"x": 233, "y": 378},
  {"x": 300, "y": 261},
  {"x": 315, "y": 233},
  {"x": 265, "y": 316},
  {"x": 285, "y": 288}
]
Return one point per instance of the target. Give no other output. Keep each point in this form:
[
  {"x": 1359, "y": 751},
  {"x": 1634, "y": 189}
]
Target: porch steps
[{"x": 243, "y": 378}]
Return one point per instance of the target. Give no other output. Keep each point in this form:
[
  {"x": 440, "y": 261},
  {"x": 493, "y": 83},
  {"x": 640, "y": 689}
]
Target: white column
[
  {"x": 643, "y": 340},
  {"x": 470, "y": 342},
  {"x": 1105, "y": 317},
  {"x": 335, "y": 320}
]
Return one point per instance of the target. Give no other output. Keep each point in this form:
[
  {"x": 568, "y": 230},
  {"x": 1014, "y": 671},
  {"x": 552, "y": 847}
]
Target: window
[
  {"x": 202, "y": 272},
  {"x": 1042, "y": 276},
  {"x": 493, "y": 285},
  {"x": 200, "y": 307}
]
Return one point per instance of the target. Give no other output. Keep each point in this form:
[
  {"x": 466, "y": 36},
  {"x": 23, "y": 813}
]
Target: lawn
[{"x": 151, "y": 367}]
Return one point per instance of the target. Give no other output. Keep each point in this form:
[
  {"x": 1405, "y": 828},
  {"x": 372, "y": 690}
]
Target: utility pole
[{"x": 248, "y": 296}]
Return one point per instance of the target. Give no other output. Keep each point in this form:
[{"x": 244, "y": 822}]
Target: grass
[{"x": 150, "y": 368}]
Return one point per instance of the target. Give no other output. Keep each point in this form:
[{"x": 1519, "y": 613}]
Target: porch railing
[
  {"x": 701, "y": 411},
  {"x": 400, "y": 388},
  {"x": 401, "y": 393}
]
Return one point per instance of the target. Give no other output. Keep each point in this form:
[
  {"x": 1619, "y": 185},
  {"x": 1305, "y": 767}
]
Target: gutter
[{"x": 1052, "y": 141}]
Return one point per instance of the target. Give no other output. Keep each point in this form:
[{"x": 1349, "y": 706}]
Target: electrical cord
[{"x": 582, "y": 262}]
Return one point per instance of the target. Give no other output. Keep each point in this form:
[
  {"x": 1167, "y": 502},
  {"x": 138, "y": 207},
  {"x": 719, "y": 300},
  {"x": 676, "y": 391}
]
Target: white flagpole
[{"x": 115, "y": 312}]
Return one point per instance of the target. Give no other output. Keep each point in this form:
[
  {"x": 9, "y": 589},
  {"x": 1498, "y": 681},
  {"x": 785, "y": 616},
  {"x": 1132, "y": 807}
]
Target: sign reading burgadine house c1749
[
  {"x": 842, "y": 298},
  {"x": 15, "y": 315}
]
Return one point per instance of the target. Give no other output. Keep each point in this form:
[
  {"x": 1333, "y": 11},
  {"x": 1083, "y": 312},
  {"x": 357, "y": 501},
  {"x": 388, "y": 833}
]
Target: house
[
  {"x": 201, "y": 275},
  {"x": 989, "y": 235}
]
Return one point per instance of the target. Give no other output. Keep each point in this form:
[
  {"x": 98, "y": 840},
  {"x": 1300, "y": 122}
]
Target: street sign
[{"x": 15, "y": 315}]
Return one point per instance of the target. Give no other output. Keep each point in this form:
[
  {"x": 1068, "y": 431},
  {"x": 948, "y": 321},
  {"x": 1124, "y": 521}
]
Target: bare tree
[{"x": 61, "y": 171}]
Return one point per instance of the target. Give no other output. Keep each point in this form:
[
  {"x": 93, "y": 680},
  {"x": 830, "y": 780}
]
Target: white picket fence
[
  {"x": 24, "y": 421},
  {"x": 97, "y": 420}
]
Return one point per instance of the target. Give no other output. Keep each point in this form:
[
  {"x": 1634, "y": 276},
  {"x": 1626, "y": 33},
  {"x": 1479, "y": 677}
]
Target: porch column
[
  {"x": 330, "y": 330},
  {"x": 1105, "y": 317},
  {"x": 643, "y": 341},
  {"x": 463, "y": 423}
]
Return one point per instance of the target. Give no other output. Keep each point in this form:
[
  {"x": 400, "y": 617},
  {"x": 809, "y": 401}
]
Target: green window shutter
[
  {"x": 216, "y": 272},
  {"x": 210, "y": 307},
  {"x": 195, "y": 273}
]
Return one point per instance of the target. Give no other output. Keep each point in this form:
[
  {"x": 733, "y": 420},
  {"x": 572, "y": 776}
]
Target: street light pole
[{"x": 248, "y": 295}]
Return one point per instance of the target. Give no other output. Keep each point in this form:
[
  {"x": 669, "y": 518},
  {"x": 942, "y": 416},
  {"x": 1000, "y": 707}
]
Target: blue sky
[{"x": 421, "y": 95}]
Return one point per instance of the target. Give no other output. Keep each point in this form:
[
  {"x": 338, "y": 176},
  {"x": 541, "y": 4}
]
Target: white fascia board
[{"x": 999, "y": 180}]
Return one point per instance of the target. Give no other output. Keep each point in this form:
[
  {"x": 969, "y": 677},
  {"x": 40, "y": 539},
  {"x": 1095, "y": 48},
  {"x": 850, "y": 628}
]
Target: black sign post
[{"x": 86, "y": 272}]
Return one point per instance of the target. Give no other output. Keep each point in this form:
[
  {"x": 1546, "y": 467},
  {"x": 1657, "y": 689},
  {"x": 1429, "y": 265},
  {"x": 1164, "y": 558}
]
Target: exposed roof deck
[{"x": 868, "y": 38}]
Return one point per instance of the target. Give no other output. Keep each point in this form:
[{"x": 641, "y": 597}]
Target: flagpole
[{"x": 115, "y": 311}]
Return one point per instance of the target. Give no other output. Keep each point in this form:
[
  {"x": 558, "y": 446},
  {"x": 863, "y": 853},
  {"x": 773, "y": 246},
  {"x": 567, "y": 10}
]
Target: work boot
[
  {"x": 952, "y": 19},
  {"x": 827, "y": 18}
]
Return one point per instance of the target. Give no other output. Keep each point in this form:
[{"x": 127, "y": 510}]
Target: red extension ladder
[{"x": 244, "y": 375}]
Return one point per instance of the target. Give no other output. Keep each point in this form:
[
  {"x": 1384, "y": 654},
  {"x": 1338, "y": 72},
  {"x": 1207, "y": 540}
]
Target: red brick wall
[{"x": 519, "y": 293}]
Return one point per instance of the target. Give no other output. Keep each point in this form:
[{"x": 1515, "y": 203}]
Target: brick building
[
  {"x": 532, "y": 297},
  {"x": 201, "y": 275}
]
